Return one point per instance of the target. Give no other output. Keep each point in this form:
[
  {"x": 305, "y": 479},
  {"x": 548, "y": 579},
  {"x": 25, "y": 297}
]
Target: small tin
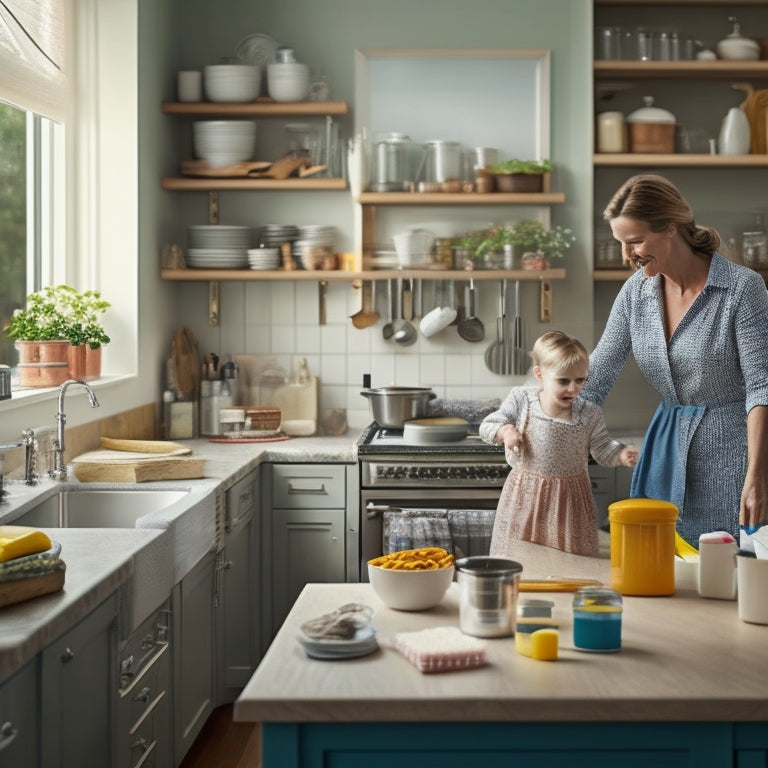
[{"x": 597, "y": 620}]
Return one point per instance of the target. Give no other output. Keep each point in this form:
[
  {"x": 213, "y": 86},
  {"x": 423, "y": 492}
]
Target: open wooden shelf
[
  {"x": 682, "y": 70},
  {"x": 188, "y": 184},
  {"x": 460, "y": 198},
  {"x": 336, "y": 275},
  {"x": 680, "y": 159},
  {"x": 261, "y": 108}
]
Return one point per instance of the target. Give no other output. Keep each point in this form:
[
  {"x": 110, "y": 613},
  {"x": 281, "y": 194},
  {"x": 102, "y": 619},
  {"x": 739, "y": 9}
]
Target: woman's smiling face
[{"x": 642, "y": 248}]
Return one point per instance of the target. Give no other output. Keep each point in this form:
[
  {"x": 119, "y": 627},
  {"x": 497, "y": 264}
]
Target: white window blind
[{"x": 33, "y": 71}]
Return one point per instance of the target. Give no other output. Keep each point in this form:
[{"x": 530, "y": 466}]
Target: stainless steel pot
[{"x": 393, "y": 406}]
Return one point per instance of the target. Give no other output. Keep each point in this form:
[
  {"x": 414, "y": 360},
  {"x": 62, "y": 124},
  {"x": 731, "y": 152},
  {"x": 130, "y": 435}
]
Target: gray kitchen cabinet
[
  {"x": 144, "y": 734},
  {"x": 19, "y": 728},
  {"x": 77, "y": 704},
  {"x": 193, "y": 653},
  {"x": 308, "y": 514},
  {"x": 237, "y": 591}
]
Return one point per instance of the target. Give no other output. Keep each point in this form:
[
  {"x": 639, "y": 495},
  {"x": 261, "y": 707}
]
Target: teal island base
[{"x": 522, "y": 745}]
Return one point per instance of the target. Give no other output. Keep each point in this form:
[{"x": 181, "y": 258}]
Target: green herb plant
[
  {"x": 529, "y": 167},
  {"x": 60, "y": 313}
]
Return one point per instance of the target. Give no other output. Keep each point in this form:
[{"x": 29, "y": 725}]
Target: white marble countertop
[
  {"x": 99, "y": 561},
  {"x": 683, "y": 658}
]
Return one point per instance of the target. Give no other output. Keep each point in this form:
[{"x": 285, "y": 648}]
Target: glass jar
[{"x": 597, "y": 619}]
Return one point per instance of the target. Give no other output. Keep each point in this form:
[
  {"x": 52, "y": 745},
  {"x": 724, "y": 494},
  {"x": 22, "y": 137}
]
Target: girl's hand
[
  {"x": 628, "y": 456},
  {"x": 511, "y": 439}
]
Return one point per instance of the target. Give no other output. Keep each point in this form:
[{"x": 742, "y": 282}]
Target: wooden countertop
[{"x": 683, "y": 658}]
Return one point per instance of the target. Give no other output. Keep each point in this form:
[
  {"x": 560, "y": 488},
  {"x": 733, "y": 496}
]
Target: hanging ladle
[
  {"x": 470, "y": 327},
  {"x": 388, "y": 331},
  {"x": 405, "y": 333},
  {"x": 367, "y": 314}
]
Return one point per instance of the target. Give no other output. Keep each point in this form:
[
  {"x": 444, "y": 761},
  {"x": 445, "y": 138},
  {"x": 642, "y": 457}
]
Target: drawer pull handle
[
  {"x": 143, "y": 694},
  {"x": 67, "y": 656},
  {"x": 7, "y": 735},
  {"x": 321, "y": 491}
]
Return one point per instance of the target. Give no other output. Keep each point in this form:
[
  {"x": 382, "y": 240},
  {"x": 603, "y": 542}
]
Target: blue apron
[{"x": 660, "y": 471}]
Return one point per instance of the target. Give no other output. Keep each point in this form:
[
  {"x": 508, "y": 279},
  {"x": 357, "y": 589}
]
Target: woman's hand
[{"x": 628, "y": 456}]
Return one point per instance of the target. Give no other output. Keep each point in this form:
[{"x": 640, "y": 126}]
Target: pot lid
[{"x": 650, "y": 114}]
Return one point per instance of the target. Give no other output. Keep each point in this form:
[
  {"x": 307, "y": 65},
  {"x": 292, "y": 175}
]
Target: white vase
[{"x": 734, "y": 133}]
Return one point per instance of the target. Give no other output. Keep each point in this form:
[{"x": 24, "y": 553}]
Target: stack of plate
[
  {"x": 274, "y": 235},
  {"x": 316, "y": 234},
  {"x": 361, "y": 643},
  {"x": 224, "y": 142},
  {"x": 264, "y": 258},
  {"x": 217, "y": 246}
]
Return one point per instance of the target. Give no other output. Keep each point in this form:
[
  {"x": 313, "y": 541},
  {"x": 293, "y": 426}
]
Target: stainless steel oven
[{"x": 439, "y": 494}]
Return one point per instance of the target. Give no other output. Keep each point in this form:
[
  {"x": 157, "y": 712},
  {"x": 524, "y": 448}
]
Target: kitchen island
[{"x": 689, "y": 687}]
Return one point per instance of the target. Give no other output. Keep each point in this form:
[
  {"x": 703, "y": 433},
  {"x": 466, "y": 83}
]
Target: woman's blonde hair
[
  {"x": 656, "y": 201},
  {"x": 558, "y": 351}
]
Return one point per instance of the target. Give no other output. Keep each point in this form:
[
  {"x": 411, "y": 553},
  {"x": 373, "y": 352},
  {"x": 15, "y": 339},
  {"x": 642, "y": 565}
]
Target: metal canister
[
  {"x": 488, "y": 589},
  {"x": 5, "y": 382}
]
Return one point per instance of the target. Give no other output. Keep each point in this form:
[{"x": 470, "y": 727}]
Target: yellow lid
[{"x": 642, "y": 511}]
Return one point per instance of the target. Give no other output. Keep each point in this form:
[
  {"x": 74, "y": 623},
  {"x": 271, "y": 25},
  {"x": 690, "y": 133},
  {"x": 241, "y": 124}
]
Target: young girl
[{"x": 548, "y": 432}]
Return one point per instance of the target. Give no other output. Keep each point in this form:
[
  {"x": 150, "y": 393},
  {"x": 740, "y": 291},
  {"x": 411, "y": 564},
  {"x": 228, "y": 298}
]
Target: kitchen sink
[{"x": 98, "y": 508}]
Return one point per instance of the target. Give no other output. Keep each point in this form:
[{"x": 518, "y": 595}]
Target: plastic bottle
[{"x": 717, "y": 565}]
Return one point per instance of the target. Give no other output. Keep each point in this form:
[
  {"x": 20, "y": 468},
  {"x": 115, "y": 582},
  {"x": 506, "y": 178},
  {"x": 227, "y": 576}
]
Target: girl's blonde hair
[{"x": 558, "y": 351}]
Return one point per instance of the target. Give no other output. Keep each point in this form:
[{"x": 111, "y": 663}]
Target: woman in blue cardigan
[{"x": 697, "y": 326}]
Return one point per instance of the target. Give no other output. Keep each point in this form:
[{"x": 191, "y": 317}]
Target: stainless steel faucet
[{"x": 59, "y": 471}]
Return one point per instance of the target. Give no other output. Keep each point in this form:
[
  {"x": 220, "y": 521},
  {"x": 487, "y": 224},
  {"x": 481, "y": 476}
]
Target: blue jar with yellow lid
[{"x": 597, "y": 613}]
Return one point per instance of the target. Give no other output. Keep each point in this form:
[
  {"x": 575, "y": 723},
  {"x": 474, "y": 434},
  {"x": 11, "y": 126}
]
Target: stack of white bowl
[
  {"x": 218, "y": 246},
  {"x": 288, "y": 80},
  {"x": 232, "y": 82},
  {"x": 264, "y": 258},
  {"x": 223, "y": 142}
]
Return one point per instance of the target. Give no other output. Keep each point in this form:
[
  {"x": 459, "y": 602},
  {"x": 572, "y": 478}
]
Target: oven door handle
[{"x": 373, "y": 511}]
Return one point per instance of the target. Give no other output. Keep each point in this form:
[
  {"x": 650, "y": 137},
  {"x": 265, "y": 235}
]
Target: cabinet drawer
[
  {"x": 241, "y": 500},
  {"x": 301, "y": 486}
]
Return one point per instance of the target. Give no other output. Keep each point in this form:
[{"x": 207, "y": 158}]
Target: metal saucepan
[{"x": 393, "y": 406}]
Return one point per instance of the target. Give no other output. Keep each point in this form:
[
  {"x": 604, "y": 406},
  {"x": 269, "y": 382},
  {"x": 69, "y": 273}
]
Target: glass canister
[
  {"x": 392, "y": 162},
  {"x": 643, "y": 546},
  {"x": 444, "y": 161},
  {"x": 597, "y": 613}
]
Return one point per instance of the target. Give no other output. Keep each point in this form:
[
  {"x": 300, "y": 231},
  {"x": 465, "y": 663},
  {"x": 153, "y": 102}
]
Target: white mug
[
  {"x": 189, "y": 85},
  {"x": 752, "y": 589}
]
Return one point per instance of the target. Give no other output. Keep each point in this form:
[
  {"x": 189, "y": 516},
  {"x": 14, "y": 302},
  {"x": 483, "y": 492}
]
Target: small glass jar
[
  {"x": 231, "y": 422},
  {"x": 597, "y": 619}
]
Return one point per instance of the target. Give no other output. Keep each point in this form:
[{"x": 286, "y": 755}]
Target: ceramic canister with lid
[
  {"x": 611, "y": 132},
  {"x": 643, "y": 546},
  {"x": 651, "y": 129}
]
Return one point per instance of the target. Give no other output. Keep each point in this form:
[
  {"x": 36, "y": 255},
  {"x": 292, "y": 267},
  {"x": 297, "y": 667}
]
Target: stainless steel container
[
  {"x": 5, "y": 382},
  {"x": 488, "y": 589},
  {"x": 393, "y": 406}
]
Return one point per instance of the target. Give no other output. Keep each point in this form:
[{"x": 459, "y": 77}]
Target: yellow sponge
[
  {"x": 539, "y": 641},
  {"x": 17, "y": 541}
]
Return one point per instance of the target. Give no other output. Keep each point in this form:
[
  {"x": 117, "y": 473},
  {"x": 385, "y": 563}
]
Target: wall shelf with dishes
[
  {"x": 685, "y": 74},
  {"x": 262, "y": 108}
]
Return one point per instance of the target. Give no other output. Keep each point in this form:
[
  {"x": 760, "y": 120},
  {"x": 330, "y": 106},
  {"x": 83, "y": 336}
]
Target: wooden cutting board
[
  {"x": 19, "y": 590},
  {"x": 165, "y": 447},
  {"x": 108, "y": 466}
]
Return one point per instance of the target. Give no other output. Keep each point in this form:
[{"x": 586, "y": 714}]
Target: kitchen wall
[{"x": 281, "y": 318}]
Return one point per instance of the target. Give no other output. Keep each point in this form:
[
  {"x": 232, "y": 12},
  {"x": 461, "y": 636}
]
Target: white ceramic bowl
[
  {"x": 410, "y": 590},
  {"x": 223, "y": 142},
  {"x": 232, "y": 82},
  {"x": 288, "y": 81}
]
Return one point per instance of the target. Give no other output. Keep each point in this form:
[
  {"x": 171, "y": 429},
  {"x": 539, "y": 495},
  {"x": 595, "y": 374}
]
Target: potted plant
[
  {"x": 540, "y": 244},
  {"x": 54, "y": 321},
  {"x": 520, "y": 175}
]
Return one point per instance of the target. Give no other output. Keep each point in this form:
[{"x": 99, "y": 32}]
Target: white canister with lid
[
  {"x": 717, "y": 565},
  {"x": 611, "y": 132}
]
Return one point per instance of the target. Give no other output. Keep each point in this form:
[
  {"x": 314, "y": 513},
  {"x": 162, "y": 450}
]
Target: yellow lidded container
[{"x": 643, "y": 546}]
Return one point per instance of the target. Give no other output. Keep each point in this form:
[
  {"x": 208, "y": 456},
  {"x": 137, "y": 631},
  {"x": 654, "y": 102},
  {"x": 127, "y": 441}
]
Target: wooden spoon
[{"x": 366, "y": 315}]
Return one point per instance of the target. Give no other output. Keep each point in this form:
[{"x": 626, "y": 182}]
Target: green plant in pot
[
  {"x": 55, "y": 320},
  {"x": 539, "y": 244},
  {"x": 520, "y": 175}
]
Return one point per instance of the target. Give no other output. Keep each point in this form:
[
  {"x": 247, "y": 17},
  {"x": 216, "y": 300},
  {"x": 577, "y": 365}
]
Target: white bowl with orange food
[{"x": 412, "y": 579}]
